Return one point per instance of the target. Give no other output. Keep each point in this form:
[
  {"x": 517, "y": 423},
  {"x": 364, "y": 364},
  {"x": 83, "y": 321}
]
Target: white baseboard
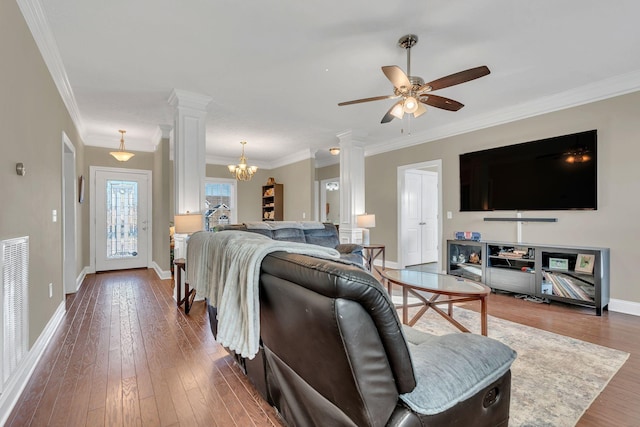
[
  {"x": 21, "y": 376},
  {"x": 81, "y": 277},
  {"x": 626, "y": 307},
  {"x": 162, "y": 274},
  {"x": 387, "y": 264}
]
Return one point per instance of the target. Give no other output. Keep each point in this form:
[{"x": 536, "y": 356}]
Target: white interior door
[
  {"x": 412, "y": 218},
  {"x": 419, "y": 216},
  {"x": 429, "y": 217},
  {"x": 122, "y": 219}
]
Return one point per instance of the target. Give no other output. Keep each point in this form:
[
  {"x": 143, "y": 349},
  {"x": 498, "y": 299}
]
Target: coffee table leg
[
  {"x": 405, "y": 302},
  {"x": 483, "y": 315}
]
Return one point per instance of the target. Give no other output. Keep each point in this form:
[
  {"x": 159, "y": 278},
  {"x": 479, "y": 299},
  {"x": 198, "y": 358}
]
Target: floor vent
[{"x": 14, "y": 270}]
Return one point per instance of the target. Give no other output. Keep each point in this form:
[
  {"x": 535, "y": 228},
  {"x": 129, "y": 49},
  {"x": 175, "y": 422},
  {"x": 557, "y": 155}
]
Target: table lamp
[
  {"x": 188, "y": 223},
  {"x": 366, "y": 221}
]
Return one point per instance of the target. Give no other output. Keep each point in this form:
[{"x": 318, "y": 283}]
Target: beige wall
[
  {"x": 249, "y": 192},
  {"x": 99, "y": 156},
  {"x": 613, "y": 225},
  {"x": 161, "y": 210},
  {"x": 297, "y": 181},
  {"x": 327, "y": 172},
  {"x": 33, "y": 119}
]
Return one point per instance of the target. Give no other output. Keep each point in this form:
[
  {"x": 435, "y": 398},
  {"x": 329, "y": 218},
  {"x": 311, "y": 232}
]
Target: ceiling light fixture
[
  {"x": 241, "y": 171},
  {"x": 334, "y": 151},
  {"x": 398, "y": 110},
  {"x": 410, "y": 104},
  {"x": 122, "y": 155}
]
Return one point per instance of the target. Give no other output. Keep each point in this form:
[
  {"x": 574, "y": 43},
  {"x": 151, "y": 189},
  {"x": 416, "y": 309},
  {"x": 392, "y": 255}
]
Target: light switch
[
  {"x": 449, "y": 214},
  {"x": 54, "y": 215}
]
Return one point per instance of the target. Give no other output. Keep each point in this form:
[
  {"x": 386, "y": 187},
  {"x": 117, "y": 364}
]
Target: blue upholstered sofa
[{"x": 315, "y": 233}]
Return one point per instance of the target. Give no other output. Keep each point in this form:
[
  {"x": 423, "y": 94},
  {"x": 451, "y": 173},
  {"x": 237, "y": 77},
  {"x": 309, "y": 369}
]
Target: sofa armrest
[
  {"x": 451, "y": 368},
  {"x": 349, "y": 248}
]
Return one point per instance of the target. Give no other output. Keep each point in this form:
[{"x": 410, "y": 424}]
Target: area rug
[{"x": 554, "y": 379}]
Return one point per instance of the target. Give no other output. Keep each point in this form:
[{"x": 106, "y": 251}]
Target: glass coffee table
[{"x": 429, "y": 287}]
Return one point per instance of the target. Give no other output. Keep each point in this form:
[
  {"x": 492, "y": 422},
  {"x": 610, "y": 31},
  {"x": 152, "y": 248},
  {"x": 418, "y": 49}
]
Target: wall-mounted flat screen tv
[{"x": 550, "y": 174}]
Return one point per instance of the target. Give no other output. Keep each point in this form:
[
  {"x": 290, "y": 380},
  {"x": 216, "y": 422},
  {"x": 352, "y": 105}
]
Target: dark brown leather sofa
[{"x": 334, "y": 353}]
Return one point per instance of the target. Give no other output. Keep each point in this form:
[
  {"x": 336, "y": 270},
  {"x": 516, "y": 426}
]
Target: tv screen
[{"x": 550, "y": 174}]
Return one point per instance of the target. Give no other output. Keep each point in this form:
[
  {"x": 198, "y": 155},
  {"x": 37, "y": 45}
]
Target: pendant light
[{"x": 122, "y": 155}]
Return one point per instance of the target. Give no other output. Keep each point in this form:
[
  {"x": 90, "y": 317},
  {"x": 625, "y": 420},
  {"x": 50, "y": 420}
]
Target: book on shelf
[{"x": 566, "y": 286}]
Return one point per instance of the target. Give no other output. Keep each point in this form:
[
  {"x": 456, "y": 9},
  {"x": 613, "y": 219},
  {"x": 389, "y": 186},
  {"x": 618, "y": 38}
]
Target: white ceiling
[{"x": 277, "y": 70}]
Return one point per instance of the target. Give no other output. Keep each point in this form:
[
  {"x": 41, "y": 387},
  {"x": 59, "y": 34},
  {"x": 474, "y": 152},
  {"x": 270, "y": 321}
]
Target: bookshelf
[
  {"x": 272, "y": 202},
  {"x": 465, "y": 259},
  {"x": 511, "y": 268},
  {"x": 575, "y": 275}
]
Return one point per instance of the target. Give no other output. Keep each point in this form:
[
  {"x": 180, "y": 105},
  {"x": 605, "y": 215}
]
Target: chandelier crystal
[
  {"x": 122, "y": 155},
  {"x": 242, "y": 171}
]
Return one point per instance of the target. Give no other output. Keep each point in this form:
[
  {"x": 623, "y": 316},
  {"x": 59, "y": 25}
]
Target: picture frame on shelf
[
  {"x": 584, "y": 263},
  {"x": 561, "y": 264}
]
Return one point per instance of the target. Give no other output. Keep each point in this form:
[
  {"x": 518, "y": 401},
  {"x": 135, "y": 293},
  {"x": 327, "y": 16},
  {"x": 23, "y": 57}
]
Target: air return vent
[{"x": 14, "y": 270}]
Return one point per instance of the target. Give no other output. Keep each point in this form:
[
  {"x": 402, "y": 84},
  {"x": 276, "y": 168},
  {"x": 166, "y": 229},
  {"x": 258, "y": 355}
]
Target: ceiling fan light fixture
[
  {"x": 420, "y": 110},
  {"x": 410, "y": 104},
  {"x": 398, "y": 110}
]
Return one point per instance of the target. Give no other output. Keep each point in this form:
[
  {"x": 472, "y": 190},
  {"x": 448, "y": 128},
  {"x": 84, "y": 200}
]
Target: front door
[{"x": 122, "y": 225}]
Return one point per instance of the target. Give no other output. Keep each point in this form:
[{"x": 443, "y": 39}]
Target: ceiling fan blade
[
  {"x": 388, "y": 117},
  {"x": 396, "y": 76},
  {"x": 441, "y": 102},
  {"x": 457, "y": 78},
  {"x": 375, "y": 98}
]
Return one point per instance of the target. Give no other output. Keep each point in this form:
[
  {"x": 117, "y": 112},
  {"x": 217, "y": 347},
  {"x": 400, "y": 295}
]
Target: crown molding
[
  {"x": 162, "y": 132},
  {"x": 603, "y": 89},
  {"x": 38, "y": 24},
  {"x": 293, "y": 158},
  {"x": 287, "y": 160},
  {"x": 103, "y": 141},
  {"x": 327, "y": 161}
]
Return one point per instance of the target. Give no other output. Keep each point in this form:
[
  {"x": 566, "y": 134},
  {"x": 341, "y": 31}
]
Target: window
[{"x": 220, "y": 201}]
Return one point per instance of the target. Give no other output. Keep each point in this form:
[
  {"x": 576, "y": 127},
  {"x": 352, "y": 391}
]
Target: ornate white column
[
  {"x": 189, "y": 157},
  {"x": 351, "y": 184},
  {"x": 189, "y": 150}
]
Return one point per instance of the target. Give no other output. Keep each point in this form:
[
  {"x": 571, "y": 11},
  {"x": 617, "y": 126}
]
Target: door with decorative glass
[{"x": 122, "y": 220}]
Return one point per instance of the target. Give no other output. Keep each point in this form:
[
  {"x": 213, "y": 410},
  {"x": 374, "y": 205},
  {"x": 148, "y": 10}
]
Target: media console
[{"x": 572, "y": 274}]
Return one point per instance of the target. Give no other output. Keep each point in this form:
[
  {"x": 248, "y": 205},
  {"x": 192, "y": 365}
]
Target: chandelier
[
  {"x": 122, "y": 155},
  {"x": 241, "y": 171}
]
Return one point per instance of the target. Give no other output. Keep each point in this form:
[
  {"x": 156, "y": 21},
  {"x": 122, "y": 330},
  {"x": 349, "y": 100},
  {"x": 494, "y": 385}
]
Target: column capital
[
  {"x": 353, "y": 135},
  {"x": 162, "y": 132},
  {"x": 184, "y": 99}
]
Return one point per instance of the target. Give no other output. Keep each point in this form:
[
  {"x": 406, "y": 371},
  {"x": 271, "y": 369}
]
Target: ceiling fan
[{"x": 414, "y": 91}]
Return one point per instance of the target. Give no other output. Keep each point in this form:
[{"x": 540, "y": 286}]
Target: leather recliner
[{"x": 333, "y": 353}]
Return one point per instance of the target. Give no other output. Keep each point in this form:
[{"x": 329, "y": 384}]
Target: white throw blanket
[{"x": 225, "y": 268}]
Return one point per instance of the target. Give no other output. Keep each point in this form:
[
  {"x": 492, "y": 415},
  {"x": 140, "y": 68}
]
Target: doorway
[
  {"x": 69, "y": 197},
  {"x": 330, "y": 200},
  {"x": 121, "y": 218},
  {"x": 419, "y": 213}
]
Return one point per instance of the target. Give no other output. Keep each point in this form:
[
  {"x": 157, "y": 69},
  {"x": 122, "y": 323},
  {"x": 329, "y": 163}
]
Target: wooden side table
[
  {"x": 189, "y": 294},
  {"x": 370, "y": 254}
]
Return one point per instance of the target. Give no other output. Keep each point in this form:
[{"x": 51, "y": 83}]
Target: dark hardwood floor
[{"x": 125, "y": 355}]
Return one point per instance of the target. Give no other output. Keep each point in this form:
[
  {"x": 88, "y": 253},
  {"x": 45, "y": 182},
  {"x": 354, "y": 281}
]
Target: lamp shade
[
  {"x": 366, "y": 220},
  {"x": 188, "y": 223}
]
